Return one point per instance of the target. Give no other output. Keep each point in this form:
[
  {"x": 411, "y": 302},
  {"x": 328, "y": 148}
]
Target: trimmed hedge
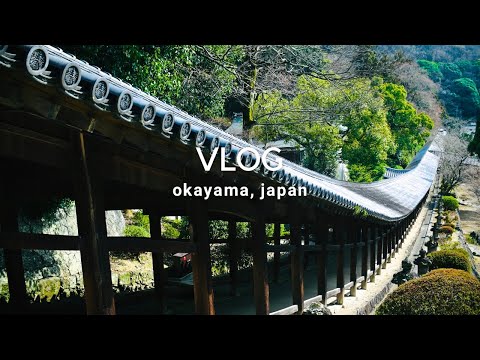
[
  {"x": 446, "y": 229},
  {"x": 450, "y": 224},
  {"x": 452, "y": 259},
  {"x": 450, "y": 203},
  {"x": 439, "y": 292}
]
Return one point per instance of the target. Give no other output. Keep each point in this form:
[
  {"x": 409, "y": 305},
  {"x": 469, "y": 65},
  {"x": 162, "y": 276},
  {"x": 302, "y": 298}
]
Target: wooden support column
[
  {"x": 323, "y": 235},
  {"x": 92, "y": 229},
  {"x": 201, "y": 266},
  {"x": 297, "y": 260},
  {"x": 159, "y": 273},
  {"x": 392, "y": 244},
  {"x": 13, "y": 257},
  {"x": 385, "y": 246},
  {"x": 398, "y": 238},
  {"x": 379, "y": 240},
  {"x": 276, "y": 254},
  {"x": 353, "y": 234},
  {"x": 389, "y": 244},
  {"x": 365, "y": 238},
  {"x": 260, "y": 274},
  {"x": 372, "y": 236},
  {"x": 234, "y": 254},
  {"x": 340, "y": 234}
]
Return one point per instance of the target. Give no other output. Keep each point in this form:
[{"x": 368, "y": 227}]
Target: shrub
[
  {"x": 452, "y": 225},
  {"x": 450, "y": 203},
  {"x": 450, "y": 245},
  {"x": 453, "y": 259},
  {"x": 440, "y": 292},
  {"x": 469, "y": 239},
  {"x": 171, "y": 228},
  {"x": 446, "y": 229},
  {"x": 136, "y": 231}
]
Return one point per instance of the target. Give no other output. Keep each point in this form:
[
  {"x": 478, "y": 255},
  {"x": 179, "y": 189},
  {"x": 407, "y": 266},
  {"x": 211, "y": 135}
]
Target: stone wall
[{"x": 49, "y": 273}]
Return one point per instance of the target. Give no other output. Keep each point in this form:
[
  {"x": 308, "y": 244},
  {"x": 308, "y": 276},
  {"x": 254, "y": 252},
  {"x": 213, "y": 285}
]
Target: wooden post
[
  {"x": 202, "y": 272},
  {"x": 233, "y": 256},
  {"x": 260, "y": 274},
  {"x": 379, "y": 240},
  {"x": 92, "y": 229},
  {"x": 384, "y": 246},
  {"x": 340, "y": 234},
  {"x": 398, "y": 237},
  {"x": 391, "y": 242},
  {"x": 372, "y": 236},
  {"x": 322, "y": 232},
  {"x": 159, "y": 274},
  {"x": 276, "y": 254},
  {"x": 366, "y": 246},
  {"x": 13, "y": 258},
  {"x": 353, "y": 234},
  {"x": 297, "y": 262}
]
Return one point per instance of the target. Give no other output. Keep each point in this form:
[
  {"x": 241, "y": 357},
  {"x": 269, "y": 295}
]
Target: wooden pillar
[
  {"x": 353, "y": 235},
  {"x": 276, "y": 254},
  {"x": 297, "y": 263},
  {"x": 379, "y": 240},
  {"x": 372, "y": 239},
  {"x": 323, "y": 235},
  {"x": 340, "y": 234},
  {"x": 159, "y": 273},
  {"x": 202, "y": 272},
  {"x": 384, "y": 246},
  {"x": 234, "y": 254},
  {"x": 398, "y": 238},
  {"x": 393, "y": 239},
  {"x": 365, "y": 238},
  {"x": 13, "y": 258},
  {"x": 92, "y": 229},
  {"x": 260, "y": 274}
]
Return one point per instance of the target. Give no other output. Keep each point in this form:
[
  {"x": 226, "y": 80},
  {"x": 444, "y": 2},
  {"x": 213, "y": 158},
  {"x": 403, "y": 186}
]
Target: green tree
[
  {"x": 177, "y": 74},
  {"x": 409, "y": 128},
  {"x": 450, "y": 71},
  {"x": 468, "y": 96},
  {"x": 474, "y": 146},
  {"x": 330, "y": 122},
  {"x": 432, "y": 69}
]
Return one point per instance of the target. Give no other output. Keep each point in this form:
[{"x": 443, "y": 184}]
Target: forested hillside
[
  {"x": 455, "y": 69},
  {"x": 355, "y": 104}
]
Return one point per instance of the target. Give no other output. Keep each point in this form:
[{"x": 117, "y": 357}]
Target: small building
[{"x": 289, "y": 150}]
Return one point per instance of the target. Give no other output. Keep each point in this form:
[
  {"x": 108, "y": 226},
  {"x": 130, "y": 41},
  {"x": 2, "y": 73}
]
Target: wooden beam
[
  {"x": 276, "y": 254},
  {"x": 18, "y": 241},
  {"x": 234, "y": 254},
  {"x": 260, "y": 274},
  {"x": 202, "y": 273},
  {"x": 372, "y": 240},
  {"x": 89, "y": 202},
  {"x": 159, "y": 273},
  {"x": 279, "y": 248},
  {"x": 158, "y": 244}
]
